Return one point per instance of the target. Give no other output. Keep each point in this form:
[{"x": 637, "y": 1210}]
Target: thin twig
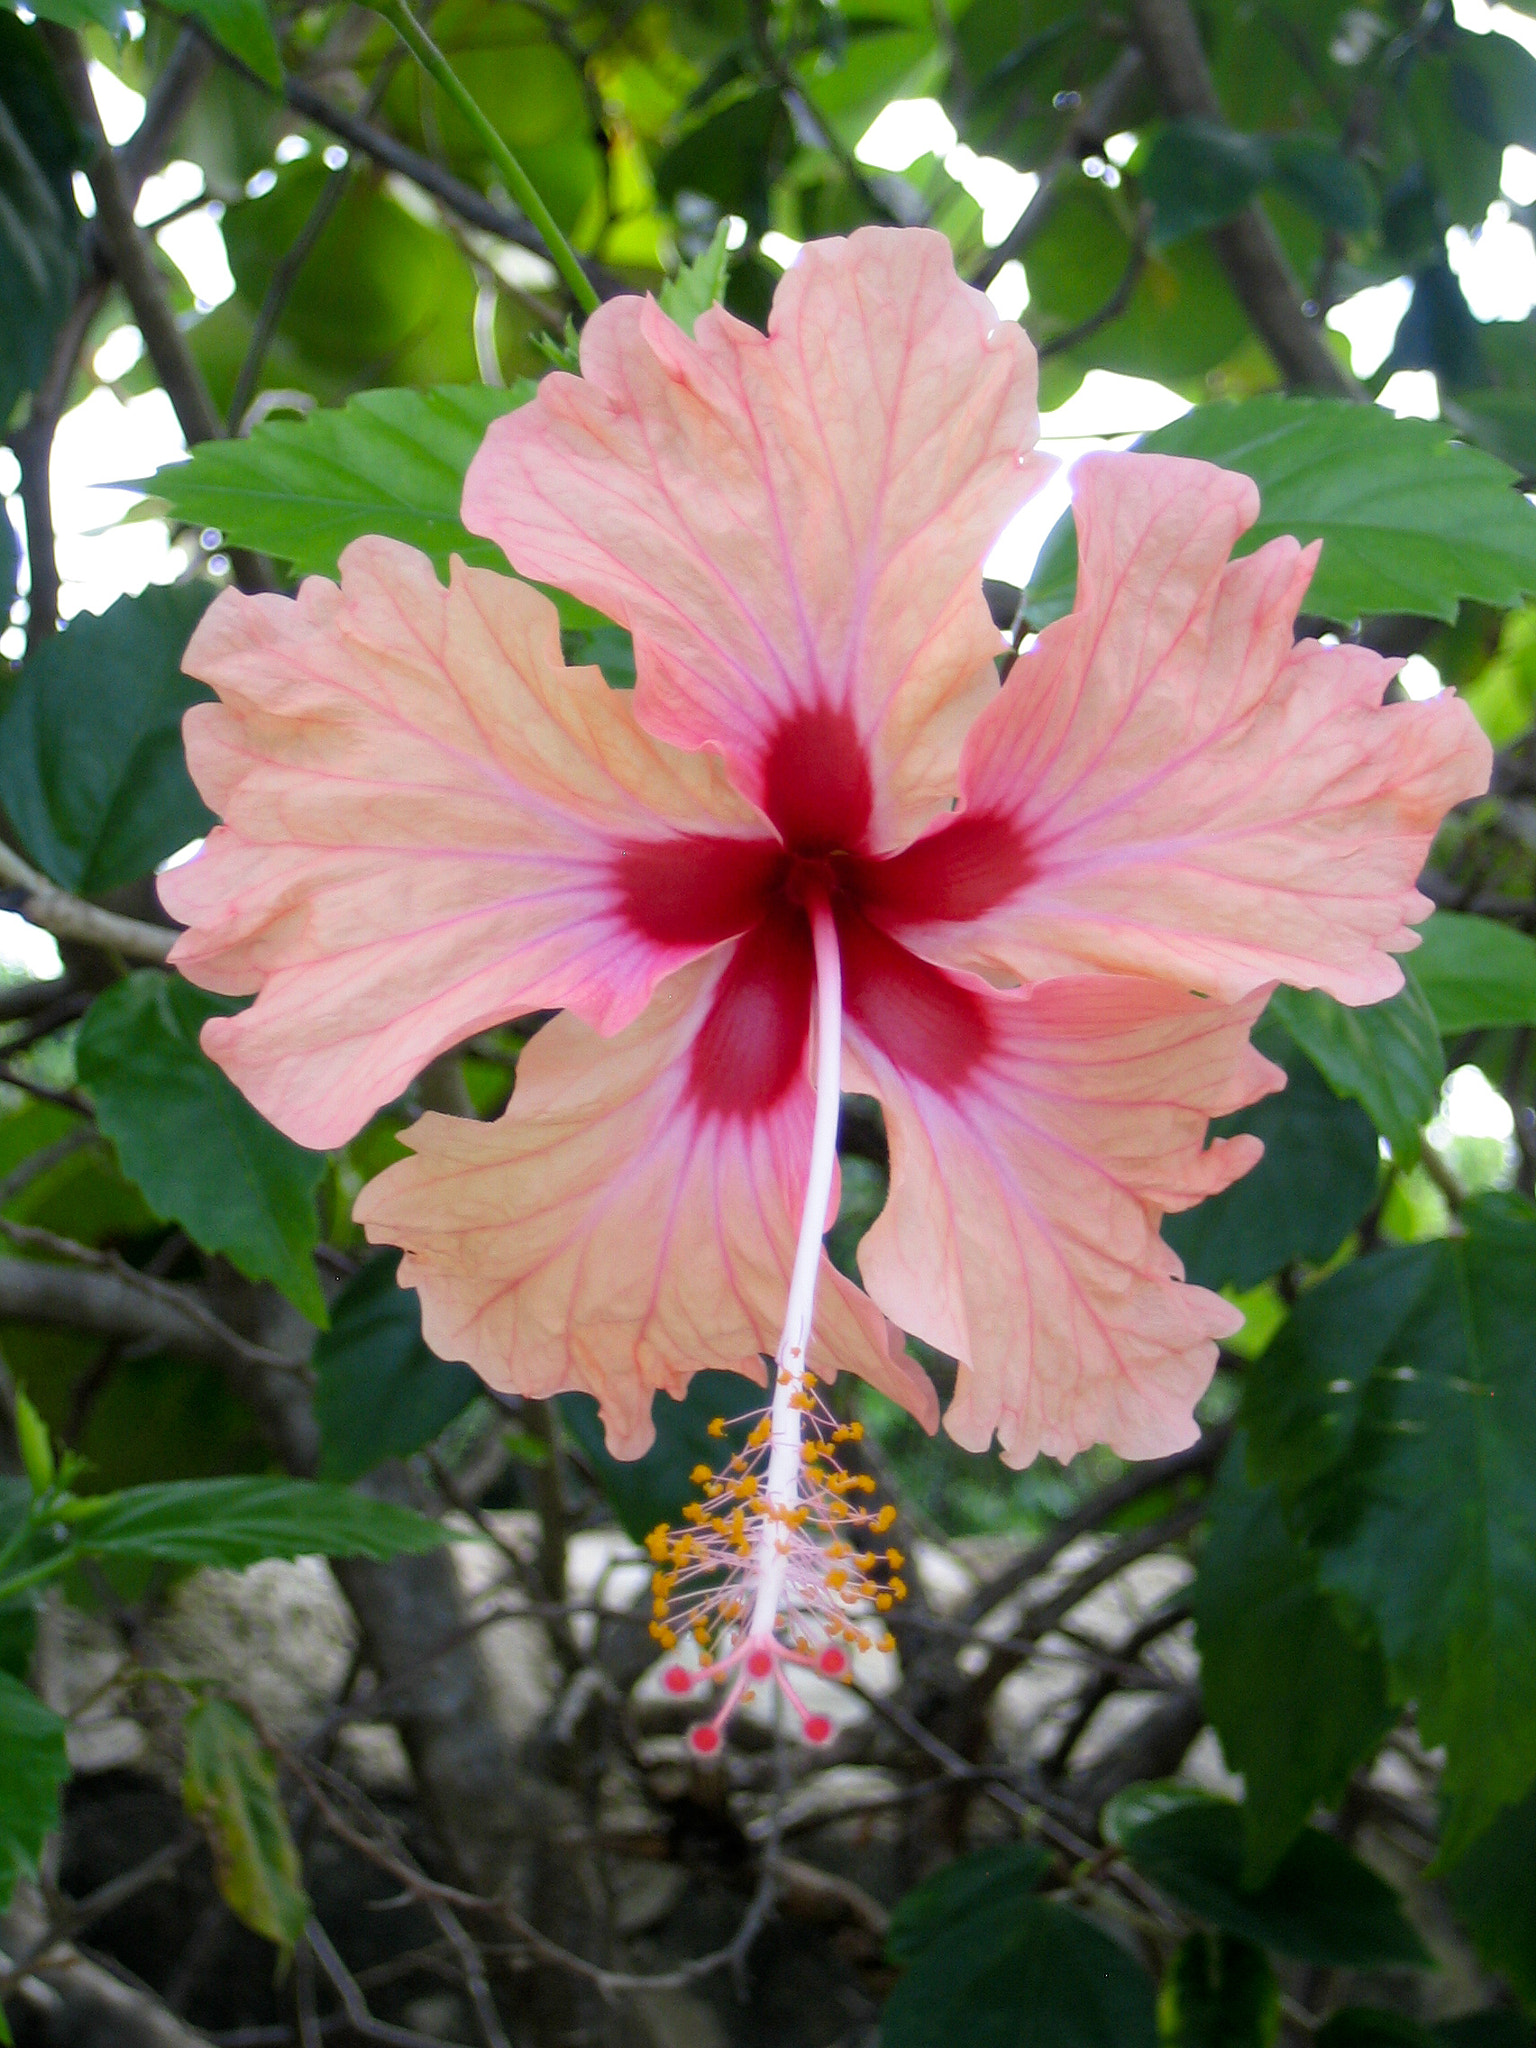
[
  {"x": 355, "y": 2005},
  {"x": 1111, "y": 309},
  {"x": 380, "y": 1848},
  {"x": 475, "y": 1980}
]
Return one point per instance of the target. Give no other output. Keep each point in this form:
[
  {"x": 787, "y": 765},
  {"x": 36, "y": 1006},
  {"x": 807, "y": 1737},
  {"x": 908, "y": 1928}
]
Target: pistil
[{"x": 766, "y": 1566}]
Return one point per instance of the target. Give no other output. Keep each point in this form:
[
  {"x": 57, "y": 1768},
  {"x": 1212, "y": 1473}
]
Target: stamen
[{"x": 763, "y": 1577}]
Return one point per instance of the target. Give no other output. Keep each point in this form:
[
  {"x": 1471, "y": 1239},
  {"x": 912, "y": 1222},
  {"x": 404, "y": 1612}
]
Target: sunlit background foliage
[{"x": 1235, "y": 1749}]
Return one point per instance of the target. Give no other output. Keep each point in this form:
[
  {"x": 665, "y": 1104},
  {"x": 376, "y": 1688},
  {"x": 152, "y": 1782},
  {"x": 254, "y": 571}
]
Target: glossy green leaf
[
  {"x": 1410, "y": 520},
  {"x": 1396, "y": 1413},
  {"x": 237, "y": 1522},
  {"x": 379, "y": 1392},
  {"x": 39, "y": 225},
  {"x": 33, "y": 1766},
  {"x": 1220, "y": 1992},
  {"x": 1319, "y": 1904},
  {"x": 1476, "y": 974},
  {"x": 1317, "y": 1178},
  {"x": 229, "y": 1787},
  {"x": 92, "y": 772},
  {"x": 1298, "y": 1700},
  {"x": 698, "y": 285},
  {"x": 189, "y": 1139},
  {"x": 389, "y": 462},
  {"x": 1491, "y": 1890},
  {"x": 1386, "y": 1057},
  {"x": 655, "y": 1488},
  {"x": 1018, "y": 1972},
  {"x": 243, "y": 27},
  {"x": 942, "y": 1903}
]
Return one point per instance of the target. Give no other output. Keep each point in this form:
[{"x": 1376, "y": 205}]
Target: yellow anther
[
  {"x": 883, "y": 1601},
  {"x": 895, "y": 1560},
  {"x": 883, "y": 1520},
  {"x": 717, "y": 1426},
  {"x": 656, "y": 1543},
  {"x": 898, "y": 1589}
]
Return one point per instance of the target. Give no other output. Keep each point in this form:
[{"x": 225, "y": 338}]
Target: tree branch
[
  {"x": 128, "y": 251},
  {"x": 1247, "y": 245},
  {"x": 55, "y": 910},
  {"x": 110, "y": 1303}
]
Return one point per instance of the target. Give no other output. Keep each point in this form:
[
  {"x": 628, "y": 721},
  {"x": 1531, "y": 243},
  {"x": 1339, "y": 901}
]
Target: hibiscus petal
[
  {"x": 619, "y": 1228},
  {"x": 1168, "y": 786},
  {"x": 792, "y": 527},
  {"x": 1036, "y": 1140},
  {"x": 431, "y": 825}
]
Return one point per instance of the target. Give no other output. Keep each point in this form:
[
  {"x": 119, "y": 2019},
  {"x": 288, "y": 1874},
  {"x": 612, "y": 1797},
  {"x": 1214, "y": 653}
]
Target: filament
[{"x": 764, "y": 1576}]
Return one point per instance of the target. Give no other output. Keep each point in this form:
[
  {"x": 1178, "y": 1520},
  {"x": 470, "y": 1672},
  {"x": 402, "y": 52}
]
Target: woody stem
[{"x": 783, "y": 1482}]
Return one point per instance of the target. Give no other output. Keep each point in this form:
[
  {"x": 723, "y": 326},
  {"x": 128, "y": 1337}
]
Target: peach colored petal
[
  {"x": 607, "y": 1234},
  {"x": 792, "y": 527},
  {"x": 1028, "y": 1180},
  {"x": 1167, "y": 786},
  {"x": 427, "y": 821}
]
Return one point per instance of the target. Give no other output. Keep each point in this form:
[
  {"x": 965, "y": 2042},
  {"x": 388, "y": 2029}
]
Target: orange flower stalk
[{"x": 818, "y": 847}]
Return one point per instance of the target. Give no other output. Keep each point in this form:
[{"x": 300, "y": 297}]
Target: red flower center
[{"x": 701, "y": 891}]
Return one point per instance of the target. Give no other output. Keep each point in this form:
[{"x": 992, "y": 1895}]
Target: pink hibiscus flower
[{"x": 817, "y": 848}]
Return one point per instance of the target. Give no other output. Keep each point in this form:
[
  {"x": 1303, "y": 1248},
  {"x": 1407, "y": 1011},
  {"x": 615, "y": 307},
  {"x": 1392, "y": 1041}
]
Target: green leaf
[
  {"x": 379, "y": 1392},
  {"x": 1320, "y": 1903},
  {"x": 1133, "y": 1806},
  {"x": 1197, "y": 173},
  {"x": 237, "y": 1522},
  {"x": 1220, "y": 1992},
  {"x": 1396, "y": 1412},
  {"x": 698, "y": 285},
  {"x": 92, "y": 773},
  {"x": 1386, "y": 1057},
  {"x": 942, "y": 1903},
  {"x": 1298, "y": 1701},
  {"x": 34, "y": 1444},
  {"x": 1476, "y": 974},
  {"x": 244, "y": 28},
  {"x": 652, "y": 1489},
  {"x": 1329, "y": 185},
  {"x": 1017, "y": 1973},
  {"x": 40, "y": 148},
  {"x": 18, "y": 1636},
  {"x": 189, "y": 1139},
  {"x": 33, "y": 1766},
  {"x": 1410, "y": 520},
  {"x": 229, "y": 1786},
  {"x": 1181, "y": 319},
  {"x": 389, "y": 462},
  {"x": 1317, "y": 1178},
  {"x": 1490, "y": 1887}
]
